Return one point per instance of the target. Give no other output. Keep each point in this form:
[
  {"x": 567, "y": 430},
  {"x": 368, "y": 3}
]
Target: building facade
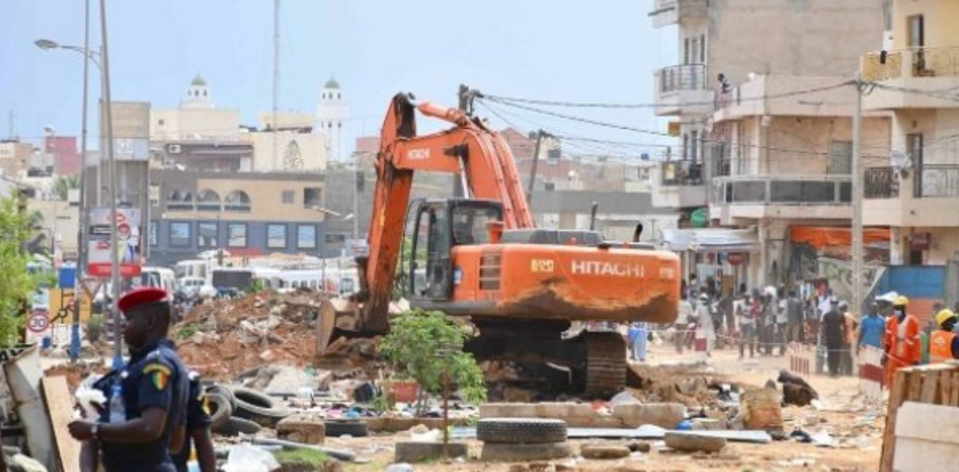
[
  {"x": 758, "y": 150},
  {"x": 915, "y": 191}
]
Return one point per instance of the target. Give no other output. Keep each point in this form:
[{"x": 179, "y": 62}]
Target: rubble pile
[
  {"x": 226, "y": 337},
  {"x": 684, "y": 384}
]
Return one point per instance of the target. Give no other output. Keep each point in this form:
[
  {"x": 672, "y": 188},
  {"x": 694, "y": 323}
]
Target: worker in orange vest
[
  {"x": 943, "y": 343},
  {"x": 902, "y": 345}
]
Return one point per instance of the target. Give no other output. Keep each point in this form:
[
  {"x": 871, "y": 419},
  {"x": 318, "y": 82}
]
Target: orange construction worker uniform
[
  {"x": 940, "y": 346},
  {"x": 902, "y": 345}
]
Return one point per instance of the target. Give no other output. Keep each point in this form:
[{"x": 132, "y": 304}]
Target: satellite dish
[{"x": 900, "y": 160}]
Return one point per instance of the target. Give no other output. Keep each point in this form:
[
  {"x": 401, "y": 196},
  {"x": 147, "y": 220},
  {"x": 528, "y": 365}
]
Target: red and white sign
[
  {"x": 735, "y": 258},
  {"x": 99, "y": 251},
  {"x": 871, "y": 373},
  {"x": 801, "y": 357},
  {"x": 38, "y": 322}
]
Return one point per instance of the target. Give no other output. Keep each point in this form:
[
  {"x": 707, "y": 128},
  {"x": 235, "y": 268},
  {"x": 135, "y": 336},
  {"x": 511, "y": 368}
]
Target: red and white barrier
[
  {"x": 871, "y": 373},
  {"x": 801, "y": 358}
]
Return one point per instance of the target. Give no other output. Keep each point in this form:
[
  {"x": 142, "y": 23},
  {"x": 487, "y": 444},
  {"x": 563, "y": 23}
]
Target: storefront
[{"x": 718, "y": 254}]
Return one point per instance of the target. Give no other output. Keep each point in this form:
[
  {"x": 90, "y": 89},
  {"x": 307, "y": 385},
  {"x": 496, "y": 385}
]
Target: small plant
[
  {"x": 187, "y": 331},
  {"x": 425, "y": 345},
  {"x": 380, "y": 404},
  {"x": 95, "y": 328}
]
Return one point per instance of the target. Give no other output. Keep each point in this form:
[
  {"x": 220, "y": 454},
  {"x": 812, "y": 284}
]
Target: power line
[{"x": 530, "y": 101}]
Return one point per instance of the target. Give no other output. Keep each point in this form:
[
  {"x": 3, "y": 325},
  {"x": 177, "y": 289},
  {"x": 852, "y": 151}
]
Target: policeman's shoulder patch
[{"x": 157, "y": 367}]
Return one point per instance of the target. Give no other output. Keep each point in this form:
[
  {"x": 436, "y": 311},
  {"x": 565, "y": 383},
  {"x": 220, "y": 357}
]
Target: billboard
[{"x": 129, "y": 234}]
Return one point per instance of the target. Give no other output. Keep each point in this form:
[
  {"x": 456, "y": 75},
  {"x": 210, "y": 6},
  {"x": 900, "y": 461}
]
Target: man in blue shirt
[
  {"x": 871, "y": 328},
  {"x": 146, "y": 399}
]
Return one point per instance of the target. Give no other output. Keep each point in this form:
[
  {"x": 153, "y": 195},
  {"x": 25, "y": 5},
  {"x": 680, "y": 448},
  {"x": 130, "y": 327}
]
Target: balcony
[
  {"x": 679, "y": 185},
  {"x": 933, "y": 72},
  {"x": 682, "y": 89},
  {"x": 767, "y": 196},
  {"x": 926, "y": 196},
  {"x": 671, "y": 12}
]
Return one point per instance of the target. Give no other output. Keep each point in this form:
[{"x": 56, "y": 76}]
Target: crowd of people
[{"x": 764, "y": 321}]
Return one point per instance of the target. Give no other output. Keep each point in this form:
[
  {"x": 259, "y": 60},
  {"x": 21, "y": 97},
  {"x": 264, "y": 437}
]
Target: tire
[
  {"x": 224, "y": 392},
  {"x": 521, "y": 431},
  {"x": 257, "y": 407},
  {"x": 235, "y": 426},
  {"x": 524, "y": 452},
  {"x": 354, "y": 428},
  {"x": 220, "y": 409}
]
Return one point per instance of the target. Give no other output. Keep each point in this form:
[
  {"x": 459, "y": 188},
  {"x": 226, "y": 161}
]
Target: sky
[{"x": 567, "y": 50}]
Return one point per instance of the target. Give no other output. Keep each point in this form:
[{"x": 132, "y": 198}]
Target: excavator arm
[{"x": 480, "y": 156}]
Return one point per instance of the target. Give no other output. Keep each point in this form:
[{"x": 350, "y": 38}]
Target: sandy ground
[{"x": 857, "y": 428}]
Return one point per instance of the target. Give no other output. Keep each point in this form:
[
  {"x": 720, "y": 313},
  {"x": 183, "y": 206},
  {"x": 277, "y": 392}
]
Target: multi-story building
[
  {"x": 916, "y": 190},
  {"x": 756, "y": 147},
  {"x": 15, "y": 158}
]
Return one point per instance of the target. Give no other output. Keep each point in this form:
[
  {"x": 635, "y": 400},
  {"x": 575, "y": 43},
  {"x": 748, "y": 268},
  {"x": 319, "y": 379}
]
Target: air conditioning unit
[{"x": 173, "y": 148}]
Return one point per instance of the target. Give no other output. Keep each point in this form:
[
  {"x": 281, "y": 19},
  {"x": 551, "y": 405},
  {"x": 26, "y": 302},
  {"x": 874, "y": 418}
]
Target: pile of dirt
[
  {"x": 224, "y": 338},
  {"x": 76, "y": 372},
  {"x": 686, "y": 384}
]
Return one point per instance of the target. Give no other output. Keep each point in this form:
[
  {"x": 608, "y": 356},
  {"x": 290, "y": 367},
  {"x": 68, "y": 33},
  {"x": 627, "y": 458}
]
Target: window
[
  {"x": 333, "y": 238},
  {"x": 154, "y": 233},
  {"x": 306, "y": 237},
  {"x": 694, "y": 145},
  {"x": 312, "y": 197},
  {"x": 208, "y": 200},
  {"x": 840, "y": 157},
  {"x": 161, "y": 122},
  {"x": 276, "y": 236},
  {"x": 206, "y": 235},
  {"x": 288, "y": 197},
  {"x": 180, "y": 234},
  {"x": 237, "y": 200},
  {"x": 179, "y": 200},
  {"x": 236, "y": 235}
]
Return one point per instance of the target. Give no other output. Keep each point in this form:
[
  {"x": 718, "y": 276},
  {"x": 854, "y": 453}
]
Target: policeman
[
  {"x": 198, "y": 423},
  {"x": 943, "y": 343},
  {"x": 144, "y": 417}
]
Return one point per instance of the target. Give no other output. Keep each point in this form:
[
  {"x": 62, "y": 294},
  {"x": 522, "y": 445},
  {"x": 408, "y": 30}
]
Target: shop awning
[
  {"x": 711, "y": 240},
  {"x": 822, "y": 237}
]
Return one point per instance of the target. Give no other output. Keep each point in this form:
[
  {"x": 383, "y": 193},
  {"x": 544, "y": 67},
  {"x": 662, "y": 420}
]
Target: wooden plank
[
  {"x": 945, "y": 387},
  {"x": 59, "y": 404},
  {"x": 954, "y": 399},
  {"x": 927, "y": 422},
  {"x": 899, "y": 389},
  {"x": 914, "y": 384},
  {"x": 930, "y": 382}
]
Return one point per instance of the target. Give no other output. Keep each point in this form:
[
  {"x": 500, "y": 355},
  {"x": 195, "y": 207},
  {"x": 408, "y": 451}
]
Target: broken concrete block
[
  {"x": 707, "y": 424},
  {"x": 762, "y": 409},
  {"x": 603, "y": 452},
  {"x": 507, "y": 410},
  {"x": 410, "y": 451},
  {"x": 664, "y": 415},
  {"x": 302, "y": 427},
  {"x": 640, "y": 446},
  {"x": 563, "y": 411},
  {"x": 692, "y": 442}
]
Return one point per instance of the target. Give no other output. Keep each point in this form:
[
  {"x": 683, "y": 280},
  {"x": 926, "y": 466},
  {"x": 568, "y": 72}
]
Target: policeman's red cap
[{"x": 140, "y": 297}]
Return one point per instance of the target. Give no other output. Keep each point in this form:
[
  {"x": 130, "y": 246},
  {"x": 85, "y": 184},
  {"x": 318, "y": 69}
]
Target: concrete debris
[
  {"x": 762, "y": 409},
  {"x": 303, "y": 427},
  {"x": 692, "y": 442},
  {"x": 603, "y": 452}
]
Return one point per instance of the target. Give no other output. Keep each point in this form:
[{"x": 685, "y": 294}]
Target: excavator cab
[{"x": 440, "y": 225}]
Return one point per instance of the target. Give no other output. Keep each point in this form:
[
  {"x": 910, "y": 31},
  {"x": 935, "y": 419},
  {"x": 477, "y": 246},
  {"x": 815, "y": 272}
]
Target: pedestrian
[
  {"x": 768, "y": 324},
  {"x": 834, "y": 332},
  {"x": 794, "y": 318},
  {"x": 851, "y": 336},
  {"x": 705, "y": 329},
  {"x": 902, "y": 348},
  {"x": 637, "y": 335},
  {"x": 198, "y": 436},
  {"x": 943, "y": 343},
  {"x": 683, "y": 321},
  {"x": 782, "y": 321},
  {"x": 144, "y": 417},
  {"x": 747, "y": 326},
  {"x": 871, "y": 329}
]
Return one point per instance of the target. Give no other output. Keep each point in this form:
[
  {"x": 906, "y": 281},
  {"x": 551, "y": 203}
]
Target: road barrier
[{"x": 871, "y": 373}]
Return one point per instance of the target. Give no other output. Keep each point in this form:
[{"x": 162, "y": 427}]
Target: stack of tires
[
  {"x": 522, "y": 439},
  {"x": 236, "y": 410}
]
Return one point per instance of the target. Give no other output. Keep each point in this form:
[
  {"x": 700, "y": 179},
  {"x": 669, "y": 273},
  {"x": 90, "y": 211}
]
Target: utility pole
[
  {"x": 532, "y": 172},
  {"x": 857, "y": 191},
  {"x": 81, "y": 235},
  {"x": 276, "y": 76},
  {"x": 111, "y": 157}
]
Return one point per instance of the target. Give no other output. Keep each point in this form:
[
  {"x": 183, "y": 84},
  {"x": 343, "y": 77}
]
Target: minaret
[
  {"x": 331, "y": 113},
  {"x": 198, "y": 95}
]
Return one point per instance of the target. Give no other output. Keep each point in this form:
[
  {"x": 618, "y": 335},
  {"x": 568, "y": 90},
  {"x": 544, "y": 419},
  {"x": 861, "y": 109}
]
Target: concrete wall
[
  {"x": 791, "y": 37},
  {"x": 941, "y": 18},
  {"x": 194, "y": 123},
  {"x": 310, "y": 149},
  {"x": 61, "y": 221}
]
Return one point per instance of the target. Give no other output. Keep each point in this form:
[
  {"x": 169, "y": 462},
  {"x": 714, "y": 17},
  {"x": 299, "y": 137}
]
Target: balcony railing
[
  {"x": 915, "y": 62},
  {"x": 936, "y": 181},
  {"x": 788, "y": 190},
  {"x": 682, "y": 173},
  {"x": 682, "y": 77},
  {"x": 880, "y": 183}
]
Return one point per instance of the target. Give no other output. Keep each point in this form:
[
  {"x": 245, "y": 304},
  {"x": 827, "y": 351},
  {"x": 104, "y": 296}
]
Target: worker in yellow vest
[{"x": 943, "y": 343}]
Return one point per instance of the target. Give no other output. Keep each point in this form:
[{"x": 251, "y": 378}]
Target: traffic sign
[
  {"x": 38, "y": 322},
  {"x": 91, "y": 286}
]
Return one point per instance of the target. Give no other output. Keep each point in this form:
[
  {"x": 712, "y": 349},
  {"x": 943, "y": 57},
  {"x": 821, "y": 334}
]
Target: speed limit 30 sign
[{"x": 38, "y": 322}]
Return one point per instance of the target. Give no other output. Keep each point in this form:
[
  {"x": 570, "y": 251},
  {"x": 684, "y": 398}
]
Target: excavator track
[{"x": 605, "y": 363}]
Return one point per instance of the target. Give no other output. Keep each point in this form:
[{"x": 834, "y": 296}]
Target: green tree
[
  {"x": 16, "y": 283},
  {"x": 425, "y": 344},
  {"x": 63, "y": 185}
]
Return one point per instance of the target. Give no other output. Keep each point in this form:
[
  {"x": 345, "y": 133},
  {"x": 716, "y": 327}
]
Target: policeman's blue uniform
[
  {"x": 197, "y": 417},
  {"x": 154, "y": 377}
]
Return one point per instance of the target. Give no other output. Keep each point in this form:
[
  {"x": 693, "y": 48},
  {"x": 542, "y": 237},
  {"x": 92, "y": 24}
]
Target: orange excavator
[{"x": 481, "y": 257}]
